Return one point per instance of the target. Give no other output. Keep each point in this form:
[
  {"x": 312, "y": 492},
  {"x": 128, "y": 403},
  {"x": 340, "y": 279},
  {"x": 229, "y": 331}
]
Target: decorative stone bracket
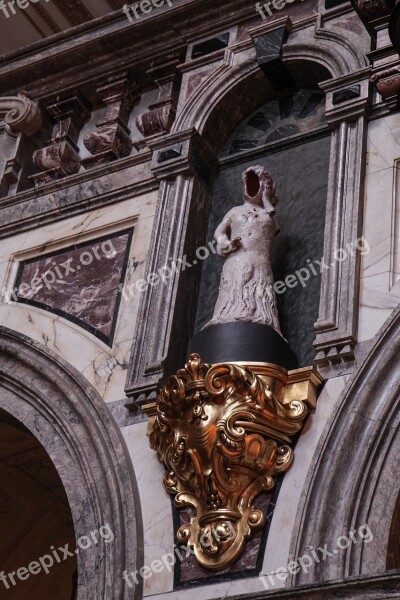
[
  {"x": 22, "y": 115},
  {"x": 387, "y": 83},
  {"x": 61, "y": 157},
  {"x": 224, "y": 433},
  {"x": 112, "y": 138},
  {"x": 161, "y": 114}
]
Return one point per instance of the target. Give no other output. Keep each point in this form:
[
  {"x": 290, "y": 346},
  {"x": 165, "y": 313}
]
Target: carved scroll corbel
[
  {"x": 61, "y": 156},
  {"x": 112, "y": 140},
  {"x": 160, "y": 117},
  {"x": 387, "y": 83},
  {"x": 22, "y": 115},
  {"x": 224, "y": 433}
]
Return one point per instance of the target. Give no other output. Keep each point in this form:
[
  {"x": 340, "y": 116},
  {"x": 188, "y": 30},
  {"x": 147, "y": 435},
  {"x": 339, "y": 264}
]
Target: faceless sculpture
[{"x": 244, "y": 238}]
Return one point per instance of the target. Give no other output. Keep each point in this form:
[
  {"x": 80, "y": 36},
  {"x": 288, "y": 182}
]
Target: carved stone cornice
[
  {"x": 182, "y": 153},
  {"x": 347, "y": 97},
  {"x": 22, "y": 115},
  {"x": 224, "y": 433}
]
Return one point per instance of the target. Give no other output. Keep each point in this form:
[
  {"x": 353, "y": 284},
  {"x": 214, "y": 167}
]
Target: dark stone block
[
  {"x": 216, "y": 43},
  {"x": 353, "y": 91},
  {"x": 333, "y": 3},
  {"x": 394, "y": 27},
  {"x": 245, "y": 342},
  {"x": 268, "y": 51},
  {"x": 201, "y": 167},
  {"x": 169, "y": 153}
]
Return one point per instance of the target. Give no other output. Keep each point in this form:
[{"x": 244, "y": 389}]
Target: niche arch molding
[
  {"x": 337, "y": 54},
  {"x": 67, "y": 416}
]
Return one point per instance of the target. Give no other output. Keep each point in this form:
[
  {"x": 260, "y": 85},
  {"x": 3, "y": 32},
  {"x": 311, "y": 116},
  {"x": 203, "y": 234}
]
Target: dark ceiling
[{"x": 43, "y": 18}]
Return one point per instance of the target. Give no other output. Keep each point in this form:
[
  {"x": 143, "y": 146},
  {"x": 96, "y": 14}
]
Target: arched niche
[
  {"x": 354, "y": 479},
  {"x": 71, "y": 422},
  {"x": 289, "y": 136}
]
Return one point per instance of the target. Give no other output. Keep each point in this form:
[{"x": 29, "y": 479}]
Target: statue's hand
[{"x": 226, "y": 246}]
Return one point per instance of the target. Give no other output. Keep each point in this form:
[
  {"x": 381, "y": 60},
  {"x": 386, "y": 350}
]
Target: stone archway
[
  {"x": 355, "y": 477},
  {"x": 69, "y": 419}
]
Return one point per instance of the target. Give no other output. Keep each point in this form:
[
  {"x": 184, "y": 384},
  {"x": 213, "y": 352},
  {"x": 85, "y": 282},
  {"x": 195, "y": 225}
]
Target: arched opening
[
  {"x": 50, "y": 407},
  {"x": 35, "y": 520}
]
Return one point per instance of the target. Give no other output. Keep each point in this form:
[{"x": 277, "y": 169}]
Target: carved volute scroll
[{"x": 22, "y": 115}]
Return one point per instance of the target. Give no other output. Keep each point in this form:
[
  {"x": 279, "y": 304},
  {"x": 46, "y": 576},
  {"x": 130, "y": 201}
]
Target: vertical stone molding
[
  {"x": 184, "y": 164},
  {"x": 112, "y": 138},
  {"x": 61, "y": 157},
  {"x": 336, "y": 327},
  {"x": 161, "y": 114}
]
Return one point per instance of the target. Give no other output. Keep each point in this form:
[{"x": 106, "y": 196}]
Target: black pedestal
[{"x": 244, "y": 342}]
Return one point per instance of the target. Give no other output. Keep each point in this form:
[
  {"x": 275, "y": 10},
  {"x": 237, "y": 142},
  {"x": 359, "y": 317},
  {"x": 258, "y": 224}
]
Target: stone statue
[{"x": 244, "y": 238}]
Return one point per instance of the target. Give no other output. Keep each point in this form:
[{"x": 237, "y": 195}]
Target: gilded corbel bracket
[{"x": 224, "y": 433}]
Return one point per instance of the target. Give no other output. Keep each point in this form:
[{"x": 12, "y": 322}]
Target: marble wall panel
[
  {"x": 380, "y": 284},
  {"x": 81, "y": 283},
  {"x": 103, "y": 366}
]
